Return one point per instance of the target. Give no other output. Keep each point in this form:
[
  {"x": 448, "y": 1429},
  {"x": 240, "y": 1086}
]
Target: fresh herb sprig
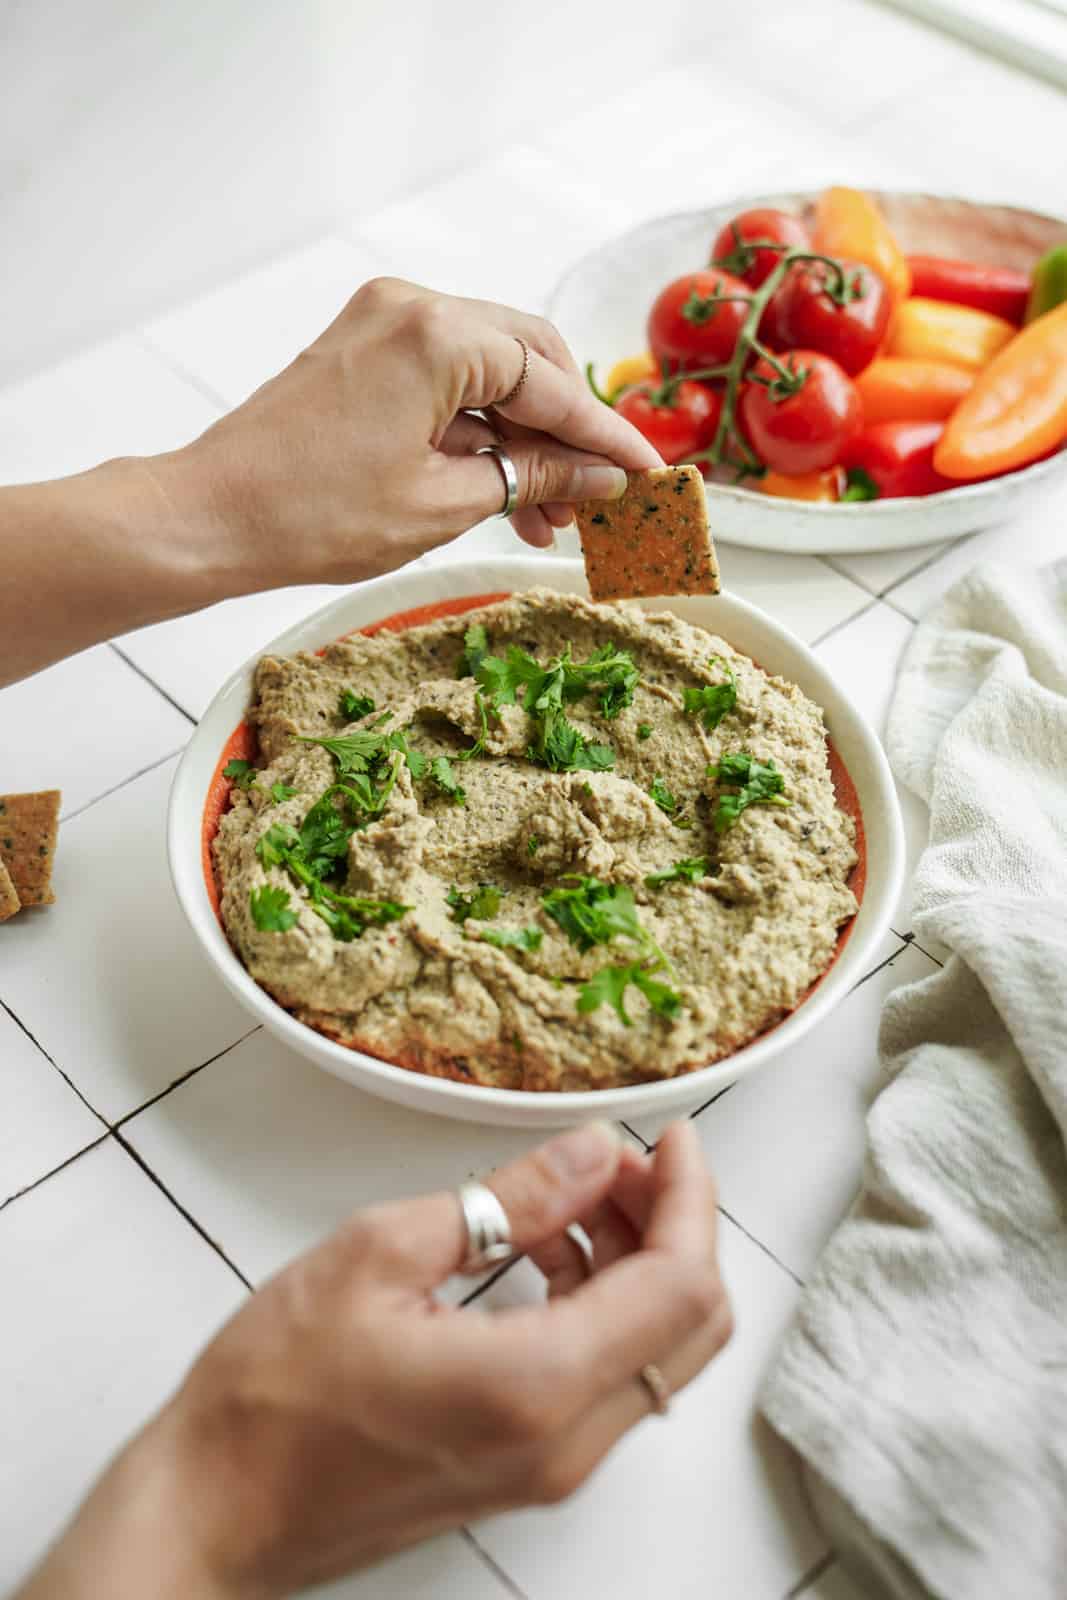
[
  {"x": 752, "y": 783},
  {"x": 483, "y": 904},
  {"x": 712, "y": 701},
  {"x": 242, "y": 774},
  {"x": 512, "y": 938},
  {"x": 593, "y": 912},
  {"x": 312, "y": 854},
  {"x": 354, "y": 707},
  {"x": 687, "y": 871},
  {"x": 610, "y": 674}
]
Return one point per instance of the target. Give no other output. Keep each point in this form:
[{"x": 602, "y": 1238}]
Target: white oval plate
[
  {"x": 773, "y": 646},
  {"x": 601, "y": 306}
]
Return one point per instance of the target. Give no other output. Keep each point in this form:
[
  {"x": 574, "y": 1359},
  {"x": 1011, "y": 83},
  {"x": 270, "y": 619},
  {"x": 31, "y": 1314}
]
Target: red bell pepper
[
  {"x": 999, "y": 290},
  {"x": 897, "y": 458}
]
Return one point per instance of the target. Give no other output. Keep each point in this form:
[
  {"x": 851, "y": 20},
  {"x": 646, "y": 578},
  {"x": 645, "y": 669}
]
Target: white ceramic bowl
[
  {"x": 745, "y": 627},
  {"x": 601, "y": 307}
]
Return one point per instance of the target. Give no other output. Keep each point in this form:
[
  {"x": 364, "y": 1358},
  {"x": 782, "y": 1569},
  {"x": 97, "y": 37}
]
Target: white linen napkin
[{"x": 924, "y": 1382}]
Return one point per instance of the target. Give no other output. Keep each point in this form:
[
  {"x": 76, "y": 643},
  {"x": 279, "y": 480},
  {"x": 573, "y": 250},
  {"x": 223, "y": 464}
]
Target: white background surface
[{"x": 154, "y": 1156}]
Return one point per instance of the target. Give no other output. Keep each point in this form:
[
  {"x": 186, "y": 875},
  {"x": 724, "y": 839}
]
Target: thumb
[
  {"x": 546, "y": 471},
  {"x": 541, "y": 1194}
]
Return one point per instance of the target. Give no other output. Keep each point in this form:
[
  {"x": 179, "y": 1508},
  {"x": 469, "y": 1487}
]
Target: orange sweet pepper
[
  {"x": 894, "y": 389},
  {"x": 935, "y": 330},
  {"x": 824, "y": 486},
  {"x": 1017, "y": 411},
  {"x": 849, "y": 225}
]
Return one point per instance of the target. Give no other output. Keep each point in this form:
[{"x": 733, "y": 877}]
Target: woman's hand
[
  {"x": 344, "y": 1413},
  {"x": 363, "y": 452},
  {"x": 359, "y": 456}
]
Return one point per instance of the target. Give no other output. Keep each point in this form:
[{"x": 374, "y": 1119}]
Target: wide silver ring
[
  {"x": 511, "y": 477},
  {"x": 488, "y": 1228}
]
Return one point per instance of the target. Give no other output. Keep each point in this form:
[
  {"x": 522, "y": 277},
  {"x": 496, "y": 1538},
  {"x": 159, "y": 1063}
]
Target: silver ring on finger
[
  {"x": 657, "y": 1388},
  {"x": 488, "y": 1229},
  {"x": 511, "y": 477}
]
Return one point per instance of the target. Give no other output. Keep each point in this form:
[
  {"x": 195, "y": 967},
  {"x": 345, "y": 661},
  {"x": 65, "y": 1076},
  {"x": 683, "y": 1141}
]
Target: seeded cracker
[
  {"x": 653, "y": 541},
  {"x": 9, "y": 900},
  {"x": 29, "y": 828}
]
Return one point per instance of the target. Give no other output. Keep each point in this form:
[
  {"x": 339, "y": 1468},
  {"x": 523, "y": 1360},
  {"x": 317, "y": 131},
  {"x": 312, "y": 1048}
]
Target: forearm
[
  {"x": 133, "y": 1537},
  {"x": 133, "y": 541}
]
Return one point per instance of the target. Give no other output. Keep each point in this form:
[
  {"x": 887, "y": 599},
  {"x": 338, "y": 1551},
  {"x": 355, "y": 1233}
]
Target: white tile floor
[{"x": 233, "y": 1154}]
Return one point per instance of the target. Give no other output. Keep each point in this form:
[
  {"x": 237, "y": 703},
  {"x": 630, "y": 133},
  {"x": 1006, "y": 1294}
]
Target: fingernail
[
  {"x": 597, "y": 483},
  {"x": 584, "y": 1149}
]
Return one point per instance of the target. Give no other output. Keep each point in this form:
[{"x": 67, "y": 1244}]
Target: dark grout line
[
  {"x": 197, "y": 1227},
  {"x": 924, "y": 566},
  {"x": 846, "y": 622},
  {"x": 184, "y": 374},
  {"x": 494, "y": 1567},
  {"x": 494, "y": 1277},
  {"x": 141, "y": 673},
  {"x": 717, "y": 1096},
  {"x": 69, "y": 816},
  {"x": 52, "y": 1062},
  {"x": 634, "y": 1133},
  {"x": 52, "y": 1171},
  {"x": 811, "y": 1576},
  {"x": 830, "y": 562},
  {"x": 192, "y": 1072},
  {"x": 767, "y": 1251},
  {"x": 891, "y": 603},
  {"x": 905, "y": 940}
]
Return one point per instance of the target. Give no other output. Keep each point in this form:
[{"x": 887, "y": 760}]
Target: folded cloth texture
[{"x": 924, "y": 1382}]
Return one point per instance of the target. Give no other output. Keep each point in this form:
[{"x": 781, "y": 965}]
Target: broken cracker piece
[
  {"x": 9, "y": 900},
  {"x": 29, "y": 828},
  {"x": 655, "y": 540}
]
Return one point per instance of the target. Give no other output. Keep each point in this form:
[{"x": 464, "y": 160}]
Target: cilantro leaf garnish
[
  {"x": 687, "y": 871},
  {"x": 667, "y": 802},
  {"x": 353, "y": 707},
  {"x": 479, "y": 744},
  {"x": 475, "y": 650},
  {"x": 533, "y": 844},
  {"x": 242, "y": 774},
  {"x": 444, "y": 779},
  {"x": 608, "y": 986},
  {"x": 270, "y": 909},
  {"x": 644, "y": 730},
  {"x": 753, "y": 783},
  {"x": 859, "y": 485},
  {"x": 281, "y": 791},
  {"x": 712, "y": 701},
  {"x": 359, "y": 751},
  {"x": 610, "y": 674},
  {"x": 594, "y": 912},
  {"x": 512, "y": 938},
  {"x": 483, "y": 904}
]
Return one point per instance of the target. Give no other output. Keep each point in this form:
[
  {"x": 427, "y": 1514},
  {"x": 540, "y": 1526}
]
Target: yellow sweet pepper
[
  {"x": 849, "y": 225},
  {"x": 631, "y": 369},
  {"x": 936, "y": 330}
]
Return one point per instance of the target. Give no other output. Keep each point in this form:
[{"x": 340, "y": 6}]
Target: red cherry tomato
[
  {"x": 808, "y": 317},
  {"x": 803, "y": 431},
  {"x": 898, "y": 457},
  {"x": 691, "y": 324},
  {"x": 733, "y": 244},
  {"x": 680, "y": 424}
]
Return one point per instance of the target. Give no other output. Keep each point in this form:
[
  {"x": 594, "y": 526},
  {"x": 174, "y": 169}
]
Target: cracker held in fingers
[
  {"x": 655, "y": 540},
  {"x": 29, "y": 828},
  {"x": 9, "y": 900}
]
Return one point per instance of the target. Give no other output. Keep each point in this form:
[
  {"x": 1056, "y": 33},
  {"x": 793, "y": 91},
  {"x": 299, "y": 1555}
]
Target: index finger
[
  {"x": 644, "y": 1306},
  {"x": 557, "y": 403}
]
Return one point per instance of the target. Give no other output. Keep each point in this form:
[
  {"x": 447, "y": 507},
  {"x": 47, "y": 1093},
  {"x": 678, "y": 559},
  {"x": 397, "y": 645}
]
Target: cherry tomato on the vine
[
  {"x": 808, "y": 313},
  {"x": 801, "y": 422},
  {"x": 733, "y": 243},
  {"x": 695, "y": 321},
  {"x": 678, "y": 420}
]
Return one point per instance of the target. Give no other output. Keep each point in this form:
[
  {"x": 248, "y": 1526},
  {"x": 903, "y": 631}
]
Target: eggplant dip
[{"x": 545, "y": 845}]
